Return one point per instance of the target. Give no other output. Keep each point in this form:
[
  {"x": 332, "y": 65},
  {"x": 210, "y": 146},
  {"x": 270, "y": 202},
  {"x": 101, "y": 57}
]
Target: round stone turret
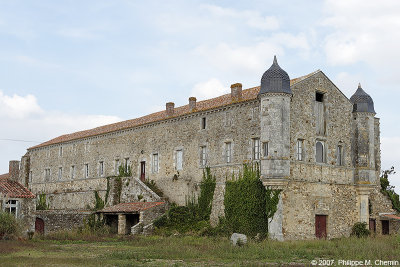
[
  {"x": 362, "y": 102},
  {"x": 275, "y": 80}
]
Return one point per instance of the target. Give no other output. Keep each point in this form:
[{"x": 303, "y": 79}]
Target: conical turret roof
[
  {"x": 362, "y": 102},
  {"x": 275, "y": 80}
]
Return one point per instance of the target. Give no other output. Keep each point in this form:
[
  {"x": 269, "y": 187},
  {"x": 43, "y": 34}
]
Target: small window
[
  {"x": 300, "y": 148},
  {"x": 72, "y": 172},
  {"x": 179, "y": 159},
  {"x": 203, "y": 123},
  {"x": 126, "y": 164},
  {"x": 30, "y": 177},
  {"x": 11, "y": 207},
  {"x": 60, "y": 173},
  {"x": 320, "y": 152},
  {"x": 339, "y": 155},
  {"x": 203, "y": 156},
  {"x": 101, "y": 168},
  {"x": 265, "y": 149},
  {"x": 60, "y": 151},
  {"x": 319, "y": 97},
  {"x": 228, "y": 152},
  {"x": 155, "y": 163},
  {"x": 86, "y": 170},
  {"x": 256, "y": 148},
  {"x": 47, "y": 174},
  {"x": 117, "y": 164}
]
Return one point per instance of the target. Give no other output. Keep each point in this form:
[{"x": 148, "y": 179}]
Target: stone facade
[{"x": 310, "y": 140}]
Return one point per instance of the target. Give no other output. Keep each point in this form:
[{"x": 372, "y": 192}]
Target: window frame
[
  {"x": 86, "y": 170},
  {"x": 256, "y": 148},
  {"x": 60, "y": 172},
  {"x": 9, "y": 206},
  {"x": 73, "y": 172},
  {"x": 203, "y": 156},
  {"x": 340, "y": 155},
  {"x": 179, "y": 163},
  {"x": 204, "y": 123},
  {"x": 228, "y": 152},
  {"x": 155, "y": 163},
  {"x": 101, "y": 168},
  {"x": 300, "y": 149},
  {"x": 265, "y": 149},
  {"x": 323, "y": 151}
]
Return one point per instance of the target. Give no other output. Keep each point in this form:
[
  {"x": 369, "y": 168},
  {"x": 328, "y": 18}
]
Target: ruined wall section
[
  {"x": 237, "y": 123},
  {"x": 338, "y": 130}
]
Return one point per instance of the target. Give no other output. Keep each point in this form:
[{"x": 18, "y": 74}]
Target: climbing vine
[
  {"x": 99, "y": 203},
  {"x": 207, "y": 188},
  {"x": 248, "y": 204},
  {"x": 388, "y": 189}
]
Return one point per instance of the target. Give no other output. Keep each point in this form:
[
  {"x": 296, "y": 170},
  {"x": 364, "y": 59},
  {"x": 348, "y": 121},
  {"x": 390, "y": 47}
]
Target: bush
[
  {"x": 8, "y": 224},
  {"x": 360, "y": 230}
]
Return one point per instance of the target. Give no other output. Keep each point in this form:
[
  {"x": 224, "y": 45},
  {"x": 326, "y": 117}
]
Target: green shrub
[
  {"x": 388, "y": 189},
  {"x": 360, "y": 230},
  {"x": 161, "y": 221},
  {"x": 207, "y": 188},
  {"x": 8, "y": 224},
  {"x": 42, "y": 205}
]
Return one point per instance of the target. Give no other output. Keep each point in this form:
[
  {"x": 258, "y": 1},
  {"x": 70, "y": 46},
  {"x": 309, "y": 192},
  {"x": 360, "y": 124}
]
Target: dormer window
[{"x": 319, "y": 97}]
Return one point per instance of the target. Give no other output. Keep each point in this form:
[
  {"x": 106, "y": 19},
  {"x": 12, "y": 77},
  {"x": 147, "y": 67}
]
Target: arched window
[{"x": 319, "y": 152}]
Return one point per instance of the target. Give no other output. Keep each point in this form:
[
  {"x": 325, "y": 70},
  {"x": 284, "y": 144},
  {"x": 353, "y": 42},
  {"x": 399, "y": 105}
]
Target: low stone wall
[
  {"x": 149, "y": 215},
  {"x": 55, "y": 220}
]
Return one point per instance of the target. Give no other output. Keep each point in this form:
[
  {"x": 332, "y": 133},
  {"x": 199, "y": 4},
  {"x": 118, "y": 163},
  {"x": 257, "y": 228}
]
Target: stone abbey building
[{"x": 321, "y": 148}]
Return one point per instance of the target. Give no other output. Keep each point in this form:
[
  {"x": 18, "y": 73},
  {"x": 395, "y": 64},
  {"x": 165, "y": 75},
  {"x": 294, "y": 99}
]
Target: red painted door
[
  {"x": 143, "y": 171},
  {"x": 320, "y": 226},
  {"x": 39, "y": 226}
]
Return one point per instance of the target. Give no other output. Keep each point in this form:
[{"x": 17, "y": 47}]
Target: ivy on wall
[
  {"x": 388, "y": 189},
  {"x": 42, "y": 205}
]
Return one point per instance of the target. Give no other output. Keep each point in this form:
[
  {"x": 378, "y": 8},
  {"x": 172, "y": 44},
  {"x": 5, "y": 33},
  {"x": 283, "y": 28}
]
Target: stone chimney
[
  {"x": 13, "y": 170},
  {"x": 236, "y": 91},
  {"x": 192, "y": 103},
  {"x": 170, "y": 108}
]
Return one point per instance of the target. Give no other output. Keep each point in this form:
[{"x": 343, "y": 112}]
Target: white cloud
[
  {"x": 19, "y": 107},
  {"x": 249, "y": 17},
  {"x": 22, "y": 118},
  {"x": 209, "y": 89}
]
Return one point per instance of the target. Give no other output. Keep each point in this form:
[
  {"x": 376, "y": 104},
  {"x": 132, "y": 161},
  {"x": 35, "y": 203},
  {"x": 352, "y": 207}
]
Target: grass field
[{"x": 192, "y": 251}]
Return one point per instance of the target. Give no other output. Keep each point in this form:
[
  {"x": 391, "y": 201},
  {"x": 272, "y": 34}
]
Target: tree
[{"x": 388, "y": 189}]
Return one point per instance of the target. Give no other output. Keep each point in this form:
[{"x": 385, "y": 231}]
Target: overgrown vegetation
[
  {"x": 359, "y": 229},
  {"x": 99, "y": 203},
  {"x": 388, "y": 189},
  {"x": 8, "y": 225},
  {"x": 245, "y": 203},
  {"x": 152, "y": 185},
  {"x": 42, "y": 203},
  {"x": 195, "y": 215}
]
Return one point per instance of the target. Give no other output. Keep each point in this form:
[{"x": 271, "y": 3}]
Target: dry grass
[{"x": 191, "y": 251}]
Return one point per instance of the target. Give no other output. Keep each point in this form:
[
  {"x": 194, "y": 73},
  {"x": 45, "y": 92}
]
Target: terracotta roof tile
[
  {"x": 130, "y": 207},
  {"x": 4, "y": 176},
  {"x": 391, "y": 216},
  {"x": 247, "y": 95},
  {"x": 13, "y": 189}
]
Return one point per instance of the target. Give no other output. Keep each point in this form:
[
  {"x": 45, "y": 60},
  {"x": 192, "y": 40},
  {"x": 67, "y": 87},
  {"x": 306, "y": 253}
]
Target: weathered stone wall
[
  {"x": 139, "y": 144},
  {"x": 134, "y": 190},
  {"x": 55, "y": 220},
  {"x": 149, "y": 215}
]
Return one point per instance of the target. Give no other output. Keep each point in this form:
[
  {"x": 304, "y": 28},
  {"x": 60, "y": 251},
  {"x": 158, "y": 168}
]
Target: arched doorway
[{"x": 39, "y": 226}]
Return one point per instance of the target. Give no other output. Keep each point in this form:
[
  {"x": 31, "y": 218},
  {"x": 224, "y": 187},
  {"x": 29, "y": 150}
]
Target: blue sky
[{"x": 72, "y": 65}]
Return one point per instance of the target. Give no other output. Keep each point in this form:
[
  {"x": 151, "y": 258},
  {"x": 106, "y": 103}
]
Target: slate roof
[
  {"x": 362, "y": 102},
  {"x": 275, "y": 80},
  {"x": 224, "y": 100},
  {"x": 13, "y": 189},
  {"x": 130, "y": 207}
]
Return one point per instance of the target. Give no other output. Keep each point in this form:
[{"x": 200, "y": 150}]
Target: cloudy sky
[{"x": 72, "y": 65}]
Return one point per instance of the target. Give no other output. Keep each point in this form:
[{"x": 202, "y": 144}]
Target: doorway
[
  {"x": 372, "y": 225},
  {"x": 320, "y": 226},
  {"x": 143, "y": 171},
  {"x": 39, "y": 226},
  {"x": 385, "y": 227}
]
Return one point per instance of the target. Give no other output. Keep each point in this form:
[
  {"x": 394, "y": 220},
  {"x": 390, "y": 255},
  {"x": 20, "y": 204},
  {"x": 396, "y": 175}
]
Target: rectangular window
[
  {"x": 265, "y": 149},
  {"x": 179, "y": 159},
  {"x": 300, "y": 144},
  {"x": 126, "y": 164},
  {"x": 47, "y": 174},
  {"x": 319, "y": 111},
  {"x": 339, "y": 155},
  {"x": 203, "y": 156},
  {"x": 59, "y": 173},
  {"x": 155, "y": 163},
  {"x": 256, "y": 148},
  {"x": 86, "y": 170},
  {"x": 101, "y": 168},
  {"x": 320, "y": 152},
  {"x": 228, "y": 152},
  {"x": 60, "y": 152},
  {"x": 203, "y": 123},
  {"x": 11, "y": 207},
  {"x": 72, "y": 172},
  {"x": 116, "y": 167}
]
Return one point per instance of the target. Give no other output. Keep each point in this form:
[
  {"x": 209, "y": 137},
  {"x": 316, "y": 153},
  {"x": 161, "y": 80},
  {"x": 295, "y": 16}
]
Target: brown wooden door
[
  {"x": 39, "y": 226},
  {"x": 320, "y": 226},
  {"x": 143, "y": 171},
  {"x": 385, "y": 227},
  {"x": 372, "y": 225}
]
